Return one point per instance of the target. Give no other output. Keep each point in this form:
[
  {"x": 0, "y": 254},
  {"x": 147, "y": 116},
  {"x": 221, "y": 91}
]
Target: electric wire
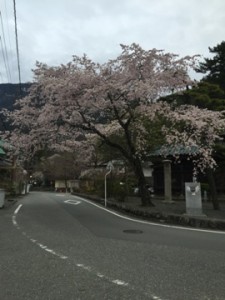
[
  {"x": 17, "y": 45},
  {"x": 6, "y": 13},
  {"x": 1, "y": 77},
  {"x": 9, "y": 35},
  {"x": 4, "y": 59},
  {"x": 6, "y": 53}
]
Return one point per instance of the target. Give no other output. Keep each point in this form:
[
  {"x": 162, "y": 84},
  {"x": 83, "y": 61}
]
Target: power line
[
  {"x": 6, "y": 54},
  {"x": 9, "y": 39},
  {"x": 17, "y": 45},
  {"x": 7, "y": 22},
  {"x": 1, "y": 76},
  {"x": 4, "y": 59}
]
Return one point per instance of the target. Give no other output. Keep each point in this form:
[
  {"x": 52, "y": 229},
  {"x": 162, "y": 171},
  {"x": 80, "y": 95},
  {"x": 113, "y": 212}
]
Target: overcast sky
[{"x": 51, "y": 31}]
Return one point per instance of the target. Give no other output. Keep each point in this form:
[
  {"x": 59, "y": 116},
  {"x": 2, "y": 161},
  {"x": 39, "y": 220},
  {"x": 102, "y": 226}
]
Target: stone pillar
[
  {"x": 193, "y": 199},
  {"x": 167, "y": 181}
]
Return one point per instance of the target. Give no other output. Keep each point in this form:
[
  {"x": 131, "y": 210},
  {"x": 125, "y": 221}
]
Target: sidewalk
[{"x": 168, "y": 213}]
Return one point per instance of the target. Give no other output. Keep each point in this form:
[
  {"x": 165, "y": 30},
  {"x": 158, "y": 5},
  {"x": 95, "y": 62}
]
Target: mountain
[{"x": 9, "y": 93}]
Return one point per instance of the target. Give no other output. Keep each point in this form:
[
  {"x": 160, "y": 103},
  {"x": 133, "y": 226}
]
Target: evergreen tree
[{"x": 214, "y": 67}]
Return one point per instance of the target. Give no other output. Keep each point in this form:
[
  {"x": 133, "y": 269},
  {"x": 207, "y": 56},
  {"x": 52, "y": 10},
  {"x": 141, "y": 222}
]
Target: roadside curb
[
  {"x": 173, "y": 219},
  {"x": 10, "y": 202},
  {"x": 159, "y": 217}
]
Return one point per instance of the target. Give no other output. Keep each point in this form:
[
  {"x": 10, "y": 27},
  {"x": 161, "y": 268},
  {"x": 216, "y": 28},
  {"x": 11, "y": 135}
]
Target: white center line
[
  {"x": 44, "y": 247},
  {"x": 86, "y": 268},
  {"x": 120, "y": 282},
  {"x": 17, "y": 210}
]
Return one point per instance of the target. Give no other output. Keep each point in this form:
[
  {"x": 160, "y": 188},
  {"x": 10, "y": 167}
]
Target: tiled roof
[{"x": 175, "y": 150}]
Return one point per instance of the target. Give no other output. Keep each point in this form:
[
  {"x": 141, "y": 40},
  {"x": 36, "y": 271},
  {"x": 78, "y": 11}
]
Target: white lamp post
[{"x": 109, "y": 168}]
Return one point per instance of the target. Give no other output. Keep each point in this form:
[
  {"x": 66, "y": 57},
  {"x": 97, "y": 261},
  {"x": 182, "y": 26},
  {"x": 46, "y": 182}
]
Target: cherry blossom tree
[{"x": 71, "y": 106}]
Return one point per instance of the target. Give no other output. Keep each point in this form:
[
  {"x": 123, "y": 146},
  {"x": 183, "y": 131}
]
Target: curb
[
  {"x": 10, "y": 202},
  {"x": 173, "y": 219},
  {"x": 159, "y": 217}
]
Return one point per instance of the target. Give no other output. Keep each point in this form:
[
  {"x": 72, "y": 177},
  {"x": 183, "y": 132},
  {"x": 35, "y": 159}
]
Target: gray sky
[{"x": 51, "y": 31}]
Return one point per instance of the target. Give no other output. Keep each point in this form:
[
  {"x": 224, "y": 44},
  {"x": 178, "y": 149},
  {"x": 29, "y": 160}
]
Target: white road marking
[
  {"x": 149, "y": 223},
  {"x": 115, "y": 281},
  {"x": 17, "y": 210},
  {"x": 86, "y": 268},
  {"x": 44, "y": 247},
  {"x": 14, "y": 220},
  {"x": 120, "y": 282},
  {"x": 14, "y": 216},
  {"x": 80, "y": 265},
  {"x": 74, "y": 202},
  {"x": 60, "y": 195}
]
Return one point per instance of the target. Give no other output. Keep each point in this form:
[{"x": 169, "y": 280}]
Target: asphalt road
[{"x": 58, "y": 246}]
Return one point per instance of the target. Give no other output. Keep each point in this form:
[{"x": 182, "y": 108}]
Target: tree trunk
[
  {"x": 212, "y": 188},
  {"x": 143, "y": 190}
]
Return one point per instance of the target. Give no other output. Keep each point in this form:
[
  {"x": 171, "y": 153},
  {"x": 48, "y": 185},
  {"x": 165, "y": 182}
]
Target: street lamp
[{"x": 109, "y": 167}]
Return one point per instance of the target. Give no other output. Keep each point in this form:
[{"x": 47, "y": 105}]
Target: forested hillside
[{"x": 9, "y": 92}]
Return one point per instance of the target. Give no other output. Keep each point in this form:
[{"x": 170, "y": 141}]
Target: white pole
[{"x": 106, "y": 186}]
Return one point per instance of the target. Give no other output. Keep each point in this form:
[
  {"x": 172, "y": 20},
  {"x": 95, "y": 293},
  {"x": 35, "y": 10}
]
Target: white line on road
[
  {"x": 84, "y": 267},
  {"x": 33, "y": 240},
  {"x": 17, "y": 210},
  {"x": 150, "y": 223},
  {"x": 44, "y": 247},
  {"x": 14, "y": 221},
  {"x": 74, "y": 202},
  {"x": 14, "y": 216},
  {"x": 120, "y": 282},
  {"x": 115, "y": 281}
]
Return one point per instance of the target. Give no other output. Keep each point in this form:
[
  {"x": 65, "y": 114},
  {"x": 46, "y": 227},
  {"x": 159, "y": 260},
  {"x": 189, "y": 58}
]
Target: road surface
[{"x": 59, "y": 246}]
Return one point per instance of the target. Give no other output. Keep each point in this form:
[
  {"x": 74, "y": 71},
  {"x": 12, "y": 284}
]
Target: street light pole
[{"x": 110, "y": 168}]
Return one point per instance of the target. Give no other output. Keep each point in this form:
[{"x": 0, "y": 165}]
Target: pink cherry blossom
[{"x": 72, "y": 106}]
